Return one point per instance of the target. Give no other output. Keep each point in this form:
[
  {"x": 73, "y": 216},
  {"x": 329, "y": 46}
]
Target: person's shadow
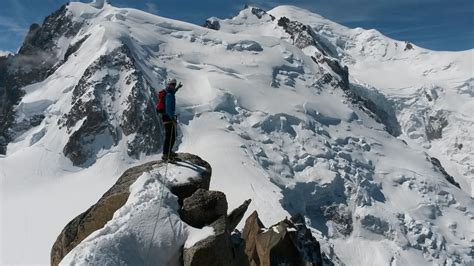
[{"x": 190, "y": 165}]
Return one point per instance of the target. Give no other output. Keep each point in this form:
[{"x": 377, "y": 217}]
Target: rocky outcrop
[
  {"x": 435, "y": 125},
  {"x": 288, "y": 242},
  {"x": 218, "y": 249},
  {"x": 212, "y": 23},
  {"x": 203, "y": 208},
  {"x": 100, "y": 213},
  {"x": 437, "y": 165},
  {"x": 408, "y": 46},
  {"x": 222, "y": 248},
  {"x": 303, "y": 36}
]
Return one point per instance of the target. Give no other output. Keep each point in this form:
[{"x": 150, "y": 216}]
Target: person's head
[{"x": 171, "y": 84}]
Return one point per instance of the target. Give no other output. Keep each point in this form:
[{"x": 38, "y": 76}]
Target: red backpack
[{"x": 160, "y": 103}]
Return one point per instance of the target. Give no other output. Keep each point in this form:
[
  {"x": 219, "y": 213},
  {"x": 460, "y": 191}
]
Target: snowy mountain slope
[
  {"x": 273, "y": 122},
  {"x": 429, "y": 93}
]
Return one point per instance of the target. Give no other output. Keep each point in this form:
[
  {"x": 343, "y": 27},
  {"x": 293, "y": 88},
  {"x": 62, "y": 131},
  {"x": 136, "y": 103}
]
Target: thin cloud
[
  {"x": 9, "y": 23},
  {"x": 152, "y": 7},
  {"x": 3, "y": 53},
  {"x": 416, "y": 30}
]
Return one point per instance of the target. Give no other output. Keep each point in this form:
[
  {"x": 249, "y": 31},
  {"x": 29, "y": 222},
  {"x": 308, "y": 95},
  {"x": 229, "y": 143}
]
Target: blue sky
[{"x": 433, "y": 24}]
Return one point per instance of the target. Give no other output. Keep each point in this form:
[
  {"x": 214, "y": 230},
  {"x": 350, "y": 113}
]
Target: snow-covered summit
[
  {"x": 99, "y": 3},
  {"x": 294, "y": 117}
]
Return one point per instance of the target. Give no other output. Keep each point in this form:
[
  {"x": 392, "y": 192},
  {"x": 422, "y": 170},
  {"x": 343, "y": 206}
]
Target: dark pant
[{"x": 170, "y": 137}]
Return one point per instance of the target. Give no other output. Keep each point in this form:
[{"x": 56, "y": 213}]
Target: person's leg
[
  {"x": 173, "y": 136},
  {"x": 168, "y": 135}
]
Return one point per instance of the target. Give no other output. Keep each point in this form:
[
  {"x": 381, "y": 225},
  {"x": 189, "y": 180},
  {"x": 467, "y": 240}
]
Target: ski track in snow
[{"x": 253, "y": 106}]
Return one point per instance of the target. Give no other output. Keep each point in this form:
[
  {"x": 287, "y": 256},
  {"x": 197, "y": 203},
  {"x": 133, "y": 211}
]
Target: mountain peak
[{"x": 99, "y": 3}]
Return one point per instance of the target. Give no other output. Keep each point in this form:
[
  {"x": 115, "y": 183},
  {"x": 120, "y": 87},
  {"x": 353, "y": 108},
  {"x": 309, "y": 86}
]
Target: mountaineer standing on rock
[{"x": 166, "y": 106}]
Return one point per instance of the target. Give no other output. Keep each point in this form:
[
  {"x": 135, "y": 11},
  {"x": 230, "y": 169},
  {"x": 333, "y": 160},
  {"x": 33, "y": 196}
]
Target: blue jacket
[{"x": 170, "y": 103}]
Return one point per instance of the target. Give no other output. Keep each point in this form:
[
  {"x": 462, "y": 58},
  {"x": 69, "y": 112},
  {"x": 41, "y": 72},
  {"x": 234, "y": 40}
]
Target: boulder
[
  {"x": 100, "y": 213},
  {"x": 224, "y": 247},
  {"x": 203, "y": 208},
  {"x": 186, "y": 189},
  {"x": 213, "y": 250}
]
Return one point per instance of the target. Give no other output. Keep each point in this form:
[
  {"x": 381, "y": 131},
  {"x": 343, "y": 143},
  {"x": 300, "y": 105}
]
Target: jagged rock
[
  {"x": 74, "y": 47},
  {"x": 306, "y": 243},
  {"x": 203, "y": 208},
  {"x": 340, "y": 216},
  {"x": 100, "y": 213},
  {"x": 434, "y": 127},
  {"x": 258, "y": 12},
  {"x": 437, "y": 164},
  {"x": 289, "y": 242},
  {"x": 376, "y": 225},
  {"x": 217, "y": 249},
  {"x": 343, "y": 72},
  {"x": 223, "y": 247},
  {"x": 304, "y": 36},
  {"x": 237, "y": 214},
  {"x": 408, "y": 46},
  {"x": 212, "y": 23},
  {"x": 253, "y": 226}
]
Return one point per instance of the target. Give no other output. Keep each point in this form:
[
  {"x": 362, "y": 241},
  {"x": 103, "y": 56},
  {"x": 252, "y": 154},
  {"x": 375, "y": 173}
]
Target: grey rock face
[
  {"x": 223, "y": 247},
  {"x": 437, "y": 165},
  {"x": 376, "y": 225},
  {"x": 203, "y": 208},
  {"x": 304, "y": 36},
  {"x": 215, "y": 250},
  {"x": 35, "y": 61},
  {"x": 253, "y": 226},
  {"x": 300, "y": 33},
  {"x": 103, "y": 127},
  {"x": 340, "y": 216},
  {"x": 258, "y": 12},
  {"x": 434, "y": 126},
  {"x": 288, "y": 242},
  {"x": 74, "y": 47},
  {"x": 236, "y": 215},
  {"x": 100, "y": 213},
  {"x": 212, "y": 24}
]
